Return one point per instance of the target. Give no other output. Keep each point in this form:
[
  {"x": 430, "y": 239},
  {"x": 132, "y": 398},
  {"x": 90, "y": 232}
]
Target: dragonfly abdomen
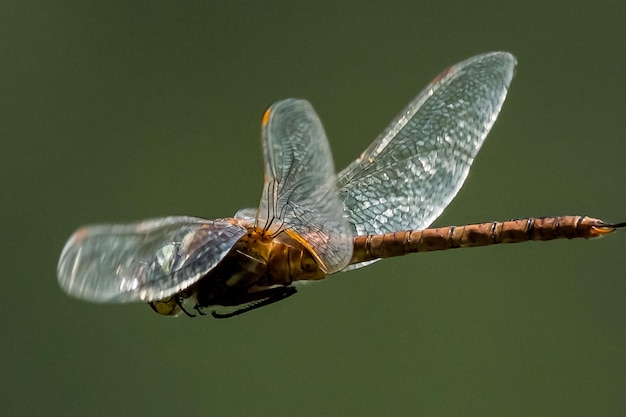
[{"x": 370, "y": 247}]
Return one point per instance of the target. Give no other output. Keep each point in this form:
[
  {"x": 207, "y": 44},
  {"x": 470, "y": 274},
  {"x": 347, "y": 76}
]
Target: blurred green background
[{"x": 116, "y": 111}]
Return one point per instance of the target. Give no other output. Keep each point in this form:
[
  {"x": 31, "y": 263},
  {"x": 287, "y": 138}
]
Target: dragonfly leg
[
  {"x": 263, "y": 298},
  {"x": 179, "y": 303},
  {"x": 199, "y": 309}
]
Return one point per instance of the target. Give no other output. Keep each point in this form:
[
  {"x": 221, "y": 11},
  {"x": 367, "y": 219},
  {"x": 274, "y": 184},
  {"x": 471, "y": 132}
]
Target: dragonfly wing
[
  {"x": 411, "y": 172},
  {"x": 143, "y": 261},
  {"x": 300, "y": 183}
]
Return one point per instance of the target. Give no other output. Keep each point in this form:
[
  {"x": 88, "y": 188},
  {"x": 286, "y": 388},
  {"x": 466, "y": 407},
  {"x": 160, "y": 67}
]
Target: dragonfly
[{"x": 311, "y": 221}]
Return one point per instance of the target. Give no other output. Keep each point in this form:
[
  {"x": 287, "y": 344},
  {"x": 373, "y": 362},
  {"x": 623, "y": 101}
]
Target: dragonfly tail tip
[{"x": 606, "y": 228}]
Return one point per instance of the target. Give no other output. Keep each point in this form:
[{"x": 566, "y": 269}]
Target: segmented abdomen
[{"x": 367, "y": 248}]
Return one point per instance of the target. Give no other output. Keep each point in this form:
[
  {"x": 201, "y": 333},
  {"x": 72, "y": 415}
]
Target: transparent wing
[
  {"x": 143, "y": 261},
  {"x": 412, "y": 171},
  {"x": 300, "y": 191}
]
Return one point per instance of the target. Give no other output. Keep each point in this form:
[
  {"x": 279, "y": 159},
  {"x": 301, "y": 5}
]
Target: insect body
[{"x": 312, "y": 222}]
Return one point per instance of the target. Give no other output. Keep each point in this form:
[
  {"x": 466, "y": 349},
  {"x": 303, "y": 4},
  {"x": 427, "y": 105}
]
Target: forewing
[
  {"x": 300, "y": 190},
  {"x": 144, "y": 261},
  {"x": 411, "y": 172}
]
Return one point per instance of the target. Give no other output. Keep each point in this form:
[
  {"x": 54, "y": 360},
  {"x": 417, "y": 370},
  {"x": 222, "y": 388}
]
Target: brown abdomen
[{"x": 372, "y": 247}]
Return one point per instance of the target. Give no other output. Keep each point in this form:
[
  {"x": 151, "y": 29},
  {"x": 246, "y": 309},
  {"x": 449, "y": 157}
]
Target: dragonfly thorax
[
  {"x": 263, "y": 259},
  {"x": 257, "y": 262}
]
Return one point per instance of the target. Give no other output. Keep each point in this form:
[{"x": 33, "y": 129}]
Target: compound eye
[{"x": 167, "y": 306}]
